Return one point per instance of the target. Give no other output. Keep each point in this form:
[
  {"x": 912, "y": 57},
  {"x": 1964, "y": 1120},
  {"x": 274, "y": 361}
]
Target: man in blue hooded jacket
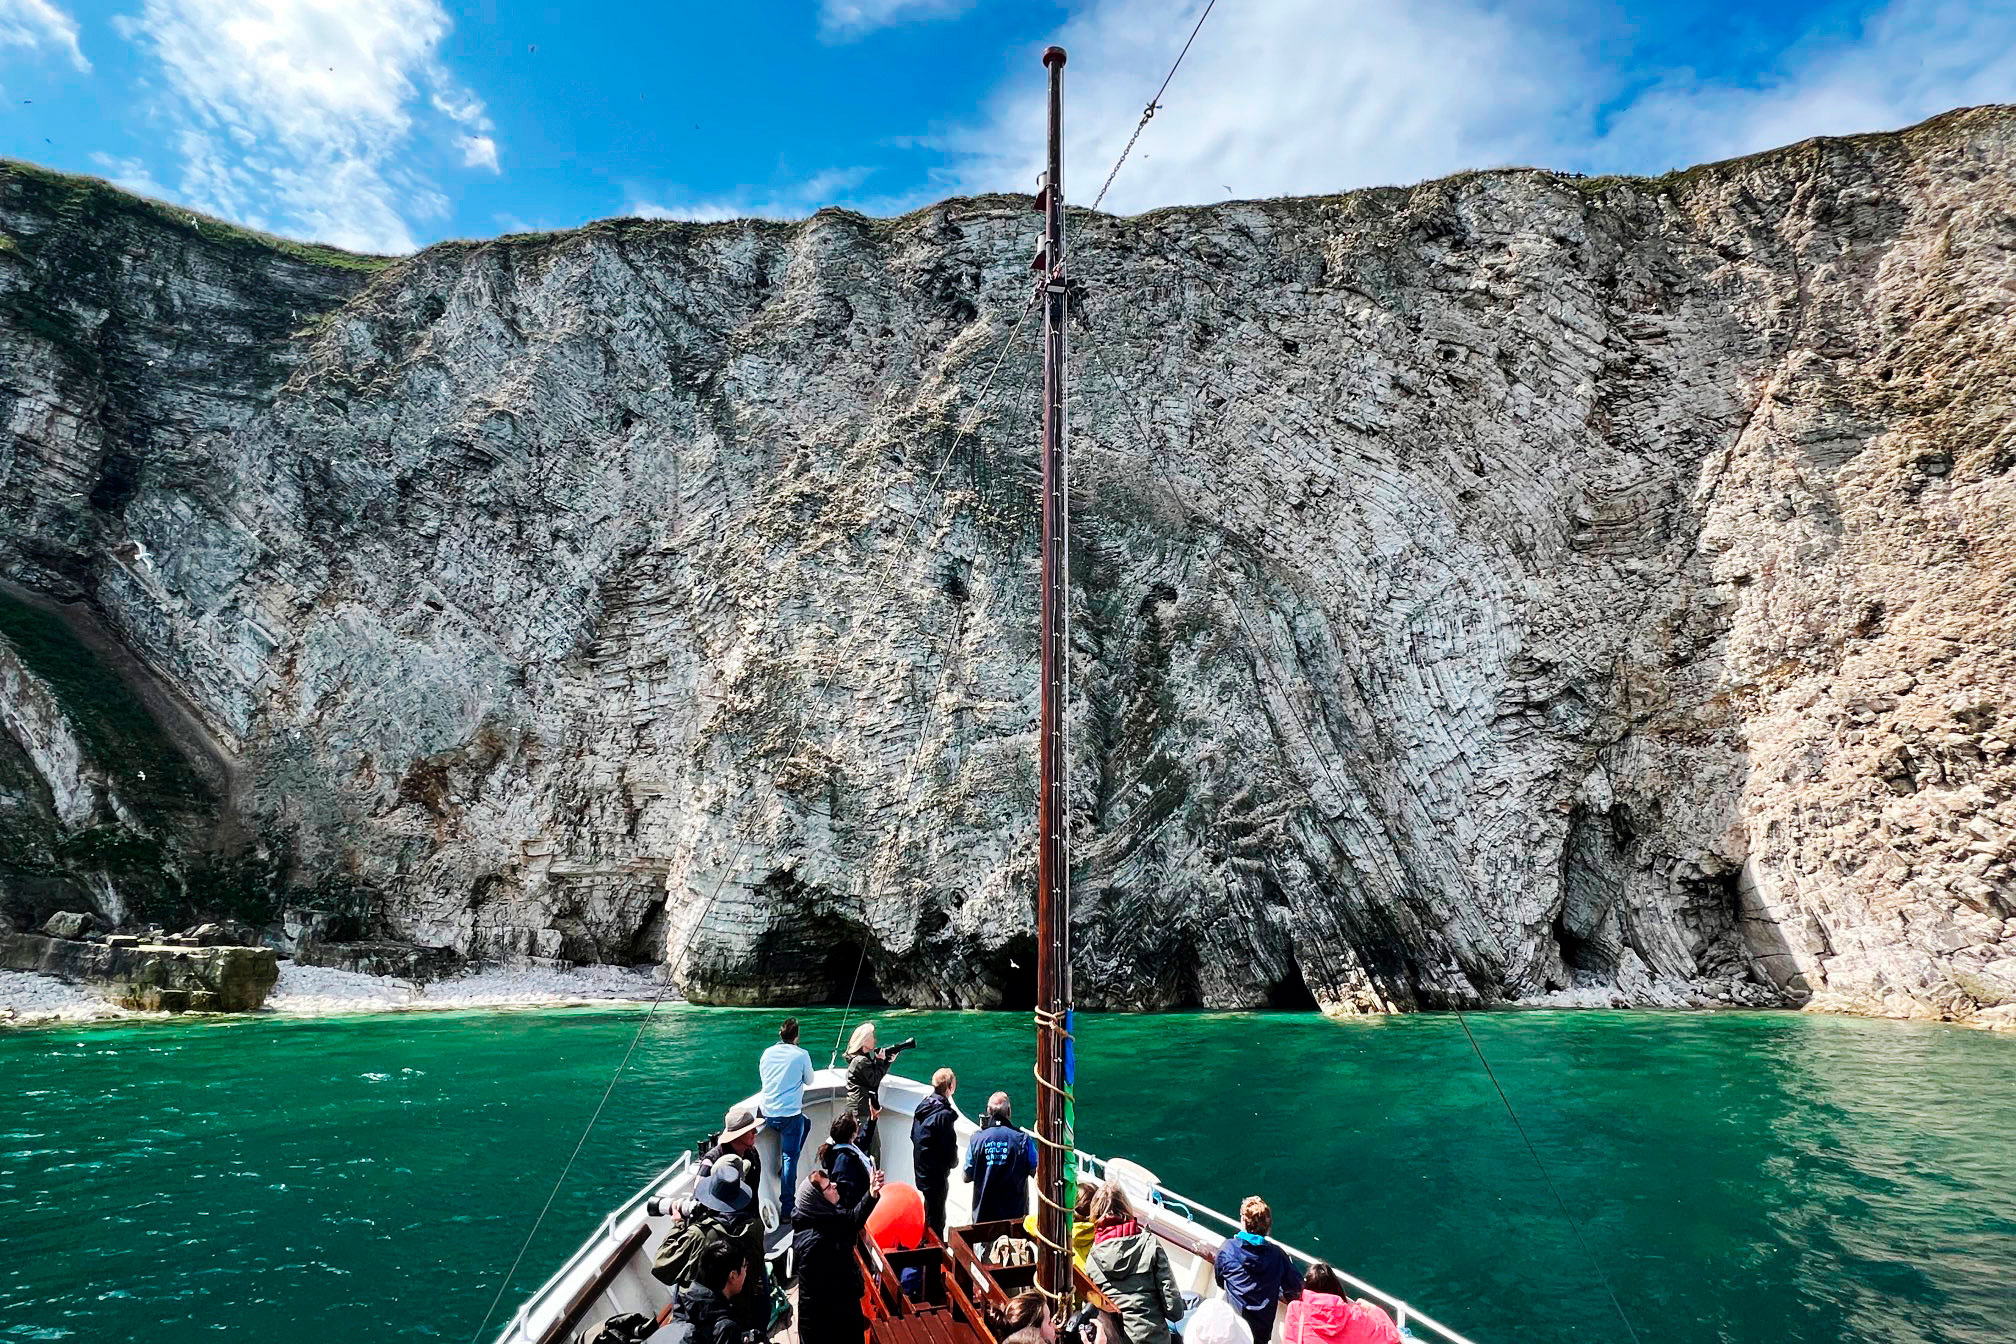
[{"x": 999, "y": 1162}]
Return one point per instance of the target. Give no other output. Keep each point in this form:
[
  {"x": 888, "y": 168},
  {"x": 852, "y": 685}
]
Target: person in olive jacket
[
  {"x": 1131, "y": 1268},
  {"x": 867, "y": 1066},
  {"x": 829, "y": 1280}
]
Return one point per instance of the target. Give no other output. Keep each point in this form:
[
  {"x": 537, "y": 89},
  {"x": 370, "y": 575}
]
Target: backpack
[{"x": 677, "y": 1260}]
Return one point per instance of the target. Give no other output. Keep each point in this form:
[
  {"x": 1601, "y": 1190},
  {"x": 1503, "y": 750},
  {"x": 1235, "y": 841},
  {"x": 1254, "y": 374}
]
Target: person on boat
[
  {"x": 1130, "y": 1267},
  {"x": 934, "y": 1145},
  {"x": 785, "y": 1070},
  {"x": 1217, "y": 1322},
  {"x": 703, "y": 1312},
  {"x": 1324, "y": 1315},
  {"x": 1026, "y": 1320},
  {"x": 1081, "y": 1224},
  {"x": 825, "y": 1227},
  {"x": 1257, "y": 1275},
  {"x": 723, "y": 1210},
  {"x": 737, "y": 1139},
  {"x": 841, "y": 1158},
  {"x": 1000, "y": 1159},
  {"x": 866, "y": 1068}
]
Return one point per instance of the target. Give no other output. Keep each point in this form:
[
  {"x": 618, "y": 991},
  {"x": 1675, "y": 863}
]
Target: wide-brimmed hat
[
  {"x": 742, "y": 1120},
  {"x": 723, "y": 1190}
]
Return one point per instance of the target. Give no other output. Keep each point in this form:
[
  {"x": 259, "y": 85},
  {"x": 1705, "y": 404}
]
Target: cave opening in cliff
[
  {"x": 843, "y": 983},
  {"x": 1291, "y": 993},
  {"x": 1014, "y": 973}
]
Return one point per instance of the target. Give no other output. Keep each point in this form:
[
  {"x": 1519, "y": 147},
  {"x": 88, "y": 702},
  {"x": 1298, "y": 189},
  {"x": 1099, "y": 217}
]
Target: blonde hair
[
  {"x": 862, "y": 1039},
  {"x": 943, "y": 1079},
  {"x": 1255, "y": 1216},
  {"x": 1110, "y": 1206}
]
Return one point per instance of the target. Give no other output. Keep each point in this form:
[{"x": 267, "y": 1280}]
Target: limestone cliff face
[{"x": 1506, "y": 584}]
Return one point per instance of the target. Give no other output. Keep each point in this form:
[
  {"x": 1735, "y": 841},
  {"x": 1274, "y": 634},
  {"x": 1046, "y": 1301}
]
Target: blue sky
[{"x": 388, "y": 124}]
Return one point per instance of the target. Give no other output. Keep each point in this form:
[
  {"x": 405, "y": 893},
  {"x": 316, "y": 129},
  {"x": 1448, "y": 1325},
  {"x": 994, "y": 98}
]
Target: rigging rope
[
  {"x": 1148, "y": 112},
  {"x": 505, "y": 1283},
  {"x": 1189, "y": 514},
  {"x": 1534, "y": 1153},
  {"x": 924, "y": 733}
]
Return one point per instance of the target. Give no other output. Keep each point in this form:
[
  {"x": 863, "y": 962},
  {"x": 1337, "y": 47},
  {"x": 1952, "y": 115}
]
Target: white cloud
[
  {"x": 131, "y": 174},
  {"x": 1283, "y": 97},
  {"x": 478, "y": 151},
  {"x": 830, "y": 187},
  {"x": 300, "y": 115},
  {"x": 34, "y": 24},
  {"x": 1293, "y": 96},
  {"x": 1910, "y": 60},
  {"x": 840, "y": 20}
]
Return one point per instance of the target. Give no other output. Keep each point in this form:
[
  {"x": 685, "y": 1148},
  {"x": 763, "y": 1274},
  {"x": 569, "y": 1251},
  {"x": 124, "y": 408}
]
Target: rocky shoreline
[{"x": 29, "y": 999}]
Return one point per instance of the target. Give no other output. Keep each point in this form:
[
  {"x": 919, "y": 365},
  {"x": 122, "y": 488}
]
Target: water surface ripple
[{"x": 1742, "y": 1177}]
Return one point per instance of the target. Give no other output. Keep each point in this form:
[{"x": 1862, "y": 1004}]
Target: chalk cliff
[{"x": 1507, "y": 584}]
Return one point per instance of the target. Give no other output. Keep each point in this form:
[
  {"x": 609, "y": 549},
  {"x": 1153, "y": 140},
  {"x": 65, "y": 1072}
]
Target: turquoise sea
[{"x": 1764, "y": 1178}]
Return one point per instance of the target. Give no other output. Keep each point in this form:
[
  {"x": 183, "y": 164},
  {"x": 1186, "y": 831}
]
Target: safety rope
[
  {"x": 1148, "y": 112},
  {"x": 1183, "y": 505}
]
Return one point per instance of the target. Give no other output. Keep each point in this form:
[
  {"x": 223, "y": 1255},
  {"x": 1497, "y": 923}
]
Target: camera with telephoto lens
[
  {"x": 901, "y": 1046},
  {"x": 1078, "y": 1320}
]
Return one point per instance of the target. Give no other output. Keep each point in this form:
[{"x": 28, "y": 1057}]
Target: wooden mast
[{"x": 1053, "y": 916}]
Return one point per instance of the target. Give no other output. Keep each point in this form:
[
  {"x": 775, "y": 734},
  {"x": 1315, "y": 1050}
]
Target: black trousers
[{"x": 934, "y": 1202}]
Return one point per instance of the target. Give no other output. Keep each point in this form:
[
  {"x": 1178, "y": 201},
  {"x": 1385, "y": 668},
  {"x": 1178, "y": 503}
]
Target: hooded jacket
[
  {"x": 829, "y": 1280},
  {"x": 1256, "y": 1278},
  {"x": 1325, "y": 1318},
  {"x": 1133, "y": 1271},
  {"x": 700, "y": 1316},
  {"x": 934, "y": 1137}
]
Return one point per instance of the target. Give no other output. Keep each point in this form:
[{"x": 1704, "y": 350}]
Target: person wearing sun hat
[
  {"x": 723, "y": 1209},
  {"x": 737, "y": 1139}
]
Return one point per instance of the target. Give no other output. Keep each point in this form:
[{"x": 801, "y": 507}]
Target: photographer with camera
[{"x": 866, "y": 1068}]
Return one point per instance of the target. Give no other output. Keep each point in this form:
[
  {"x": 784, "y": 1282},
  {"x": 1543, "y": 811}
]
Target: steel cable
[{"x": 1148, "y": 112}]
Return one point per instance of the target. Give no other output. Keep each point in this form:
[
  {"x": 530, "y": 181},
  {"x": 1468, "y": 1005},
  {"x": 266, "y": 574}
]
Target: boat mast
[{"x": 1053, "y": 915}]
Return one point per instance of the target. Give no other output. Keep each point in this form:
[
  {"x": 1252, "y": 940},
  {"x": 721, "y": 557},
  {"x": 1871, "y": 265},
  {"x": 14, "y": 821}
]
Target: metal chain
[{"x": 1148, "y": 112}]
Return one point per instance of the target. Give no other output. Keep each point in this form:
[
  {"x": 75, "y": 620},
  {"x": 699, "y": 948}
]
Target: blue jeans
[{"x": 791, "y": 1133}]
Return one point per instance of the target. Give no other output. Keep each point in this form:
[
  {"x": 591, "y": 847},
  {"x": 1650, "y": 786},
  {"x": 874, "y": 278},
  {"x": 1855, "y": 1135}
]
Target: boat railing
[
  {"x": 595, "y": 1243},
  {"x": 1406, "y": 1317}
]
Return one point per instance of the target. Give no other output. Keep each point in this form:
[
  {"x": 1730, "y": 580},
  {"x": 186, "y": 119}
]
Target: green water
[{"x": 1741, "y": 1177}]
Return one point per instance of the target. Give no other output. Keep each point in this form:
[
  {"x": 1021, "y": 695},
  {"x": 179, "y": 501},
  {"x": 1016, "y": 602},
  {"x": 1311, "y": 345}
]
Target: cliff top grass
[
  {"x": 63, "y": 193},
  {"x": 66, "y": 194}
]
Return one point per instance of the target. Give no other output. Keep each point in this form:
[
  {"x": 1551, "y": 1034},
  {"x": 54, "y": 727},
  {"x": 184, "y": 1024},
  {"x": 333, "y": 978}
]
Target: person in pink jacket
[{"x": 1323, "y": 1315}]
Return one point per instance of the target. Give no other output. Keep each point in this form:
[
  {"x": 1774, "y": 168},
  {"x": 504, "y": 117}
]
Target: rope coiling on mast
[{"x": 1048, "y": 1021}]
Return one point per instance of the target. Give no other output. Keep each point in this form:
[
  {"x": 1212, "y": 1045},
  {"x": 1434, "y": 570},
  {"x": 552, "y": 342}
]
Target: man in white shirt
[{"x": 785, "y": 1070}]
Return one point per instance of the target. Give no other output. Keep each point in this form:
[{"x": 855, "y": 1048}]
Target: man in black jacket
[
  {"x": 703, "y": 1312},
  {"x": 934, "y": 1140}
]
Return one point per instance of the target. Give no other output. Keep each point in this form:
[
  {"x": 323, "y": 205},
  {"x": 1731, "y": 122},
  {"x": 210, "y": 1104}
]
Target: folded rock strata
[{"x": 1512, "y": 583}]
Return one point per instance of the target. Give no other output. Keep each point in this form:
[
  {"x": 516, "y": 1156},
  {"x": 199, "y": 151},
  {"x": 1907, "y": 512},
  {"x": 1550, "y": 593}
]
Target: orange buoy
[{"x": 897, "y": 1221}]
